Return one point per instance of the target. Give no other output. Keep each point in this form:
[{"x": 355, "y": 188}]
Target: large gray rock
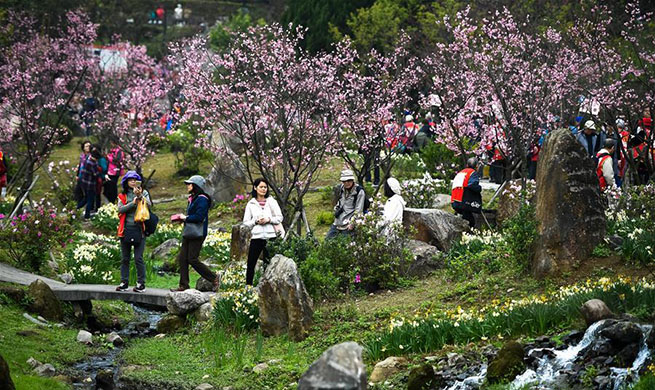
[
  {"x": 426, "y": 259},
  {"x": 45, "y": 370},
  {"x": 5, "y": 376},
  {"x": 595, "y": 310},
  {"x": 284, "y": 304},
  {"x": 340, "y": 367},
  {"x": 623, "y": 333},
  {"x": 387, "y": 368},
  {"x": 184, "y": 302},
  {"x": 227, "y": 178},
  {"x": 570, "y": 210},
  {"x": 204, "y": 312},
  {"x": 45, "y": 302},
  {"x": 204, "y": 285},
  {"x": 435, "y": 227},
  {"x": 170, "y": 324},
  {"x": 84, "y": 337},
  {"x": 240, "y": 242},
  {"x": 164, "y": 250}
]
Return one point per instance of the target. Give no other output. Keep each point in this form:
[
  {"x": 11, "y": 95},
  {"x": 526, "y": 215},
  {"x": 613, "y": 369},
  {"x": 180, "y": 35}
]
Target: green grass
[{"x": 57, "y": 346}]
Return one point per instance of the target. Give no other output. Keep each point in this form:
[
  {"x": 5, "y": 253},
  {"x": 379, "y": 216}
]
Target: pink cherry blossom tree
[
  {"x": 377, "y": 88},
  {"x": 280, "y": 103},
  {"x": 39, "y": 74},
  {"x": 129, "y": 95}
]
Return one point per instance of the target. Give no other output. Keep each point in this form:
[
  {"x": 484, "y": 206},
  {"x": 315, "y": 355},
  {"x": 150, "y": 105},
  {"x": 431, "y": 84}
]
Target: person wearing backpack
[
  {"x": 605, "y": 167},
  {"x": 131, "y": 233},
  {"x": 196, "y": 223},
  {"x": 352, "y": 200}
]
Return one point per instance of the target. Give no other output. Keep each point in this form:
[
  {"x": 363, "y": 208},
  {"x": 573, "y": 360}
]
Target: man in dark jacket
[
  {"x": 88, "y": 181},
  {"x": 466, "y": 195}
]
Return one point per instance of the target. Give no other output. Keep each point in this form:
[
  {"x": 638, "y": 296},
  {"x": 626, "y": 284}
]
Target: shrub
[
  {"x": 408, "y": 166},
  {"x": 420, "y": 193},
  {"x": 164, "y": 232},
  {"x": 63, "y": 176},
  {"x": 520, "y": 233},
  {"x": 236, "y": 306},
  {"x": 325, "y": 218},
  {"x": 217, "y": 246},
  {"x": 632, "y": 218},
  {"x": 188, "y": 156},
  {"x": 295, "y": 247},
  {"x": 93, "y": 263},
  {"x": 7, "y": 205},
  {"x": 484, "y": 252},
  {"x": 106, "y": 218},
  {"x": 440, "y": 161},
  {"x": 318, "y": 276},
  {"x": 29, "y": 236}
]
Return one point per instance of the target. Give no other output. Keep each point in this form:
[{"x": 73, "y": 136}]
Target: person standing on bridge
[{"x": 132, "y": 234}]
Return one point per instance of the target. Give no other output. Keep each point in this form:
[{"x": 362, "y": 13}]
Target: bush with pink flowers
[{"x": 27, "y": 238}]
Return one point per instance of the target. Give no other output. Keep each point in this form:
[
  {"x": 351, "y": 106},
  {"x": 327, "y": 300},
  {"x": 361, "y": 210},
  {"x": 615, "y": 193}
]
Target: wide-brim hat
[
  {"x": 198, "y": 181},
  {"x": 346, "y": 175},
  {"x": 130, "y": 175}
]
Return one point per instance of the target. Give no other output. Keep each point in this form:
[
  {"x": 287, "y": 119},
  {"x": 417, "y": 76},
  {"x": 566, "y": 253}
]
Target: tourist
[
  {"x": 196, "y": 222},
  {"x": 88, "y": 182},
  {"x": 351, "y": 200},
  {"x": 590, "y": 140},
  {"x": 605, "y": 168},
  {"x": 407, "y": 133},
  {"x": 86, "y": 151},
  {"x": 395, "y": 206},
  {"x": 533, "y": 157},
  {"x": 131, "y": 233},
  {"x": 114, "y": 171},
  {"x": 424, "y": 135},
  {"x": 466, "y": 195},
  {"x": 103, "y": 165},
  {"x": 264, "y": 216},
  {"x": 3, "y": 174}
]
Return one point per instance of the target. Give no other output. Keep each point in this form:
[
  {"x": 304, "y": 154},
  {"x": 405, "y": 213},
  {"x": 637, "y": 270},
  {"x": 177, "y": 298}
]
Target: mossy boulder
[
  {"x": 15, "y": 294},
  {"x": 507, "y": 364},
  {"x": 45, "y": 302},
  {"x": 170, "y": 324},
  {"x": 423, "y": 377}
]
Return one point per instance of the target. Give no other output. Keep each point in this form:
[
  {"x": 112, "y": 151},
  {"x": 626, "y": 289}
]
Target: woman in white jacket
[
  {"x": 264, "y": 216},
  {"x": 393, "y": 209}
]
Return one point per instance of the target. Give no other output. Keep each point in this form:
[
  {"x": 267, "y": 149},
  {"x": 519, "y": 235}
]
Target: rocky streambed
[{"x": 608, "y": 355}]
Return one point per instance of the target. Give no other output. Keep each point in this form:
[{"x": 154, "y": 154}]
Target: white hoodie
[
  {"x": 254, "y": 212},
  {"x": 393, "y": 209}
]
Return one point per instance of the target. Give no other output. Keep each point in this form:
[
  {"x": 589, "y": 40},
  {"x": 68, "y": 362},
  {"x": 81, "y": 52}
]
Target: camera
[{"x": 338, "y": 211}]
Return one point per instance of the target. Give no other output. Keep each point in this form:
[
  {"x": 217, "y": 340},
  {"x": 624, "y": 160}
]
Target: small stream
[
  {"x": 86, "y": 373},
  {"x": 553, "y": 365}
]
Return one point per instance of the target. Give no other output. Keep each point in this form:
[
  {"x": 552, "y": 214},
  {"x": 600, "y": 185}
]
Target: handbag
[
  {"x": 279, "y": 230},
  {"x": 151, "y": 224},
  {"x": 193, "y": 230},
  {"x": 142, "y": 213},
  {"x": 132, "y": 235}
]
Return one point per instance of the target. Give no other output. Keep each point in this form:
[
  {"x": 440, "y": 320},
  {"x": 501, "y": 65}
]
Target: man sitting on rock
[
  {"x": 466, "y": 195},
  {"x": 351, "y": 200}
]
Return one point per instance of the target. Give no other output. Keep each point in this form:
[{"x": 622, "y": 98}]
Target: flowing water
[
  {"x": 554, "y": 363},
  {"x": 86, "y": 372}
]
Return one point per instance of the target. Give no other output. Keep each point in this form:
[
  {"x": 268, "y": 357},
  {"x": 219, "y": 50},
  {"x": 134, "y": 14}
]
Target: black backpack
[{"x": 359, "y": 189}]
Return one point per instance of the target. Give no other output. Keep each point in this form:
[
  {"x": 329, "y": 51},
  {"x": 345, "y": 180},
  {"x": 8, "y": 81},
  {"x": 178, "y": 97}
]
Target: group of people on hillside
[{"x": 97, "y": 175}]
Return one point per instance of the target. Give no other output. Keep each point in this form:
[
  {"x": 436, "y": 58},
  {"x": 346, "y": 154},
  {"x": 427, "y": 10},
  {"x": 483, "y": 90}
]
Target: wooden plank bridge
[{"x": 85, "y": 292}]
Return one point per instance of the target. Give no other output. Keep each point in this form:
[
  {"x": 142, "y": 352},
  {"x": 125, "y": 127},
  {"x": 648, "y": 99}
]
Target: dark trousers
[
  {"x": 126, "y": 249},
  {"x": 532, "y": 170},
  {"x": 333, "y": 232},
  {"x": 89, "y": 200},
  {"x": 189, "y": 256},
  {"x": 257, "y": 246},
  {"x": 466, "y": 212},
  {"x": 111, "y": 188},
  {"x": 375, "y": 161}
]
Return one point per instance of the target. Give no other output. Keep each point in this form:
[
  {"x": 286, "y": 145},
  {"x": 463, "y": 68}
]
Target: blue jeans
[
  {"x": 89, "y": 200},
  {"x": 333, "y": 232}
]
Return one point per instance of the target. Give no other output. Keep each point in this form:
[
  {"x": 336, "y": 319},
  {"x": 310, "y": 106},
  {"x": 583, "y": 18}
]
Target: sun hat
[
  {"x": 409, "y": 118},
  {"x": 590, "y": 125},
  {"x": 130, "y": 175},
  {"x": 197, "y": 180},
  {"x": 394, "y": 184},
  {"x": 346, "y": 175}
]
